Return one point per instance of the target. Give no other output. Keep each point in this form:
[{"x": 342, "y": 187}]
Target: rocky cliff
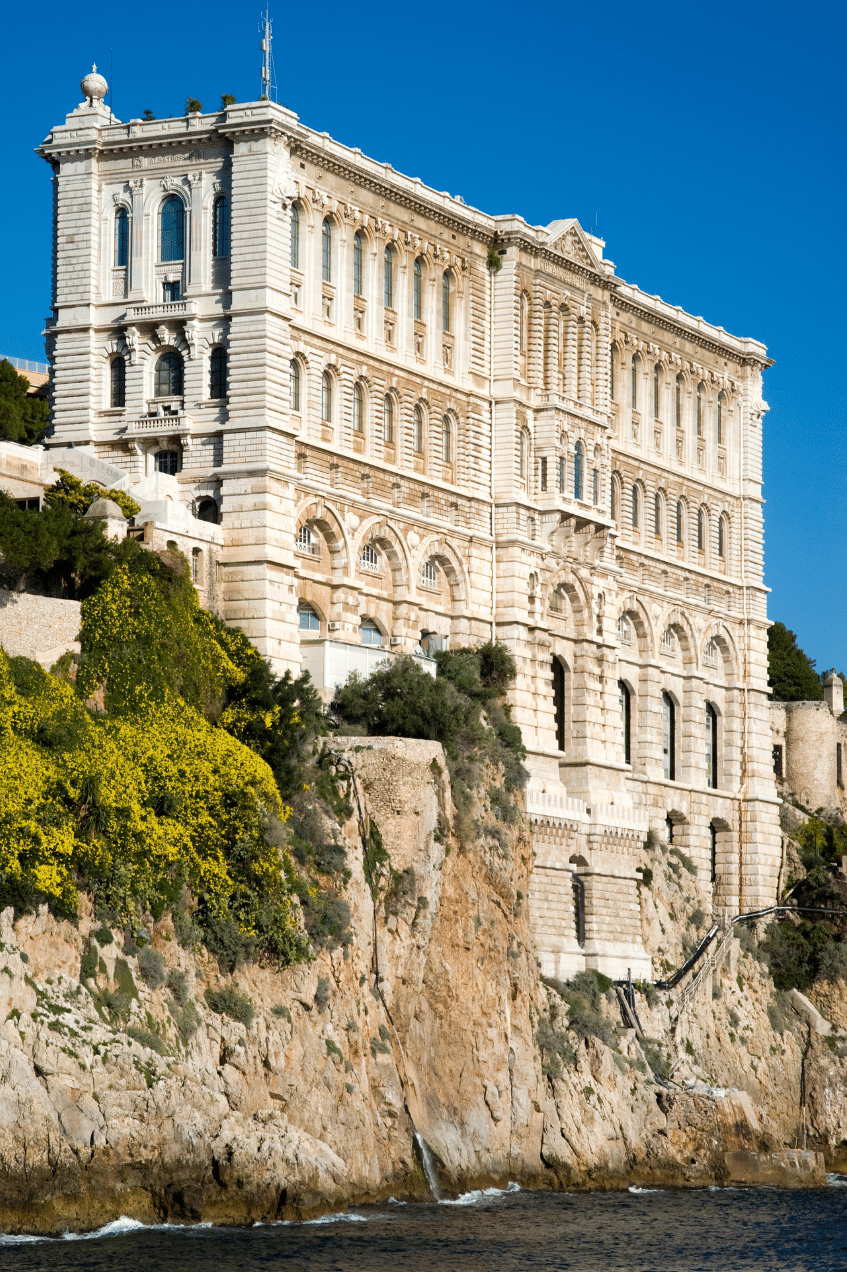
[{"x": 123, "y": 1092}]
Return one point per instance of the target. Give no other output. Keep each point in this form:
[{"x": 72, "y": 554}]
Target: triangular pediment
[{"x": 568, "y": 238}]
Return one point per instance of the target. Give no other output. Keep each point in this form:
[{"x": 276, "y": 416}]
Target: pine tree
[
  {"x": 791, "y": 673},
  {"x": 21, "y": 417}
]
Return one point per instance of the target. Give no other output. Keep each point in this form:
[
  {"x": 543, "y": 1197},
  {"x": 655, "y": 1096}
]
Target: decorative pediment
[{"x": 568, "y": 238}]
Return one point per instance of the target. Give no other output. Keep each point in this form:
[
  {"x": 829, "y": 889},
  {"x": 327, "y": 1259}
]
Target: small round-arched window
[
  {"x": 369, "y": 557},
  {"x": 168, "y": 379},
  {"x": 294, "y": 385},
  {"x": 167, "y": 461},
  {"x": 429, "y": 574},
  {"x": 207, "y": 510},
  {"x": 308, "y": 620},
  {"x": 446, "y": 441},
  {"x": 326, "y": 397},
  {"x": 388, "y": 420},
  {"x": 370, "y": 633}
]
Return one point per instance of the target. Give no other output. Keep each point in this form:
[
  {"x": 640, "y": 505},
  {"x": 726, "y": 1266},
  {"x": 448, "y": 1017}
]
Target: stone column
[{"x": 136, "y": 261}]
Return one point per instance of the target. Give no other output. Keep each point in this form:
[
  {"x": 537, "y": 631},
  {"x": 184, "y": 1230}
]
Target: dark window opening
[
  {"x": 117, "y": 393},
  {"x": 777, "y": 761},
  {"x": 559, "y": 702},
  {"x": 29, "y": 505},
  {"x": 669, "y": 828},
  {"x": 207, "y": 510},
  {"x": 217, "y": 384},
  {"x": 668, "y": 738},
  {"x": 714, "y": 853},
  {"x": 625, "y": 706},
  {"x": 711, "y": 746},
  {"x": 167, "y": 461},
  {"x": 579, "y": 909},
  {"x": 544, "y": 474},
  {"x": 838, "y": 774}
]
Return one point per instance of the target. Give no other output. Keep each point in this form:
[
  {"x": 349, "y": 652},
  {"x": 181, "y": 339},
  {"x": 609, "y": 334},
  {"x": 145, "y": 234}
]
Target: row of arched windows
[
  {"x": 680, "y": 519},
  {"x": 172, "y": 230},
  {"x": 669, "y": 766},
  {"x": 679, "y": 389},
  {"x": 390, "y": 410},
  {"x": 168, "y": 376},
  {"x": 389, "y": 268}
]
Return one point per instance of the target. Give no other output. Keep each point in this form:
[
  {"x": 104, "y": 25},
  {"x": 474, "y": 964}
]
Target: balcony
[
  {"x": 167, "y": 309},
  {"x": 330, "y": 663},
  {"x": 177, "y": 424}
]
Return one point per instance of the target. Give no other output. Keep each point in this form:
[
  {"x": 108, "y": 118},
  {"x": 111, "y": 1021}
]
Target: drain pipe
[
  {"x": 742, "y": 790},
  {"x": 492, "y": 273}
]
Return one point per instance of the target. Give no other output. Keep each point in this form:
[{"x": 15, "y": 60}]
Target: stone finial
[
  {"x": 833, "y": 693},
  {"x": 94, "y": 87}
]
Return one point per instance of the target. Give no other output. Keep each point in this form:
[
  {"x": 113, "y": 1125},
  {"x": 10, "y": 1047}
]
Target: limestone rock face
[{"x": 428, "y": 1021}]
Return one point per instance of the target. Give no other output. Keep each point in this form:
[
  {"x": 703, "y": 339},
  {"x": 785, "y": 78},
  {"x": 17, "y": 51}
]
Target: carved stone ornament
[
  {"x": 191, "y": 335},
  {"x": 131, "y": 338},
  {"x": 136, "y": 185},
  {"x": 571, "y": 245},
  {"x": 194, "y": 178},
  {"x": 162, "y": 334}
]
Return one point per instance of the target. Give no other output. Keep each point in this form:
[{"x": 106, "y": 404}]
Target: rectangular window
[
  {"x": 838, "y": 774},
  {"x": 561, "y": 474},
  {"x": 595, "y": 486},
  {"x": 171, "y": 292},
  {"x": 544, "y": 474},
  {"x": 777, "y": 761}
]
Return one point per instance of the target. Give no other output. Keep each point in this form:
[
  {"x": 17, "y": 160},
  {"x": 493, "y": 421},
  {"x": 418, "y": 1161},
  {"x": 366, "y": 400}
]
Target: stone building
[
  {"x": 413, "y": 425},
  {"x": 810, "y": 748}
]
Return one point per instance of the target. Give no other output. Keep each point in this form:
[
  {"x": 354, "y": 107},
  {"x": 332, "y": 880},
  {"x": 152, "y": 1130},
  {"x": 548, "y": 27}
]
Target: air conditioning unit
[
  {"x": 334, "y": 627},
  {"x": 397, "y": 640}
]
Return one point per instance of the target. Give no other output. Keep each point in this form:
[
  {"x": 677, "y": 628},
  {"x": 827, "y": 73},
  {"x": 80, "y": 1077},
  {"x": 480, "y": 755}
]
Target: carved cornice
[{"x": 713, "y": 345}]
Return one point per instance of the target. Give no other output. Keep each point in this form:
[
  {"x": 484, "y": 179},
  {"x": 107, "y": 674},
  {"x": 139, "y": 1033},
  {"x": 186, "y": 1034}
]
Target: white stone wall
[{"x": 495, "y": 533}]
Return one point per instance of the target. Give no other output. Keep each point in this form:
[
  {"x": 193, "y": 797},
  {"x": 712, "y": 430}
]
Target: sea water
[{"x": 642, "y": 1230}]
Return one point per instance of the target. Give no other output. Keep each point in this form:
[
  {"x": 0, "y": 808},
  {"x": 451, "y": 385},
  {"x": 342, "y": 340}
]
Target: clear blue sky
[{"x": 707, "y": 141}]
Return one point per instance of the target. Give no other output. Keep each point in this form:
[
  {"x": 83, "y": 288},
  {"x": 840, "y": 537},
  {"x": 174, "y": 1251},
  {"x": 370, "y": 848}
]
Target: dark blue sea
[{"x": 722, "y": 1230}]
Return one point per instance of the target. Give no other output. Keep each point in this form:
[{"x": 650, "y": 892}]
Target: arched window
[
  {"x": 295, "y": 237},
  {"x": 678, "y": 400},
  {"x": 578, "y": 455},
  {"x": 172, "y": 230},
  {"x": 369, "y": 557},
  {"x": 656, "y": 387},
  {"x": 680, "y": 521},
  {"x": 720, "y": 419},
  {"x": 701, "y": 531},
  {"x": 419, "y": 430},
  {"x": 388, "y": 420},
  {"x": 304, "y": 541},
  {"x": 168, "y": 380},
  {"x": 308, "y": 620},
  {"x": 560, "y": 485},
  {"x": 635, "y": 508},
  {"x": 357, "y": 264},
  {"x": 167, "y": 461},
  {"x": 625, "y": 708},
  {"x": 711, "y": 746},
  {"x": 418, "y": 291},
  {"x": 326, "y": 397},
  {"x": 559, "y": 702},
  {"x": 713, "y": 836},
  {"x": 370, "y": 633},
  {"x": 595, "y": 486},
  {"x": 326, "y": 250},
  {"x": 358, "y": 408},
  {"x": 445, "y": 303},
  {"x": 522, "y": 455},
  {"x": 207, "y": 510},
  {"x": 722, "y": 538},
  {"x": 614, "y": 499},
  {"x": 657, "y": 515},
  {"x": 700, "y": 409},
  {"x": 668, "y": 738},
  {"x": 636, "y": 366},
  {"x": 523, "y": 322},
  {"x": 388, "y": 279},
  {"x": 117, "y": 382},
  {"x": 217, "y": 376},
  {"x": 121, "y": 237},
  {"x": 429, "y": 577},
  {"x": 612, "y": 373},
  {"x": 294, "y": 384},
  {"x": 220, "y": 227},
  {"x": 446, "y": 441}
]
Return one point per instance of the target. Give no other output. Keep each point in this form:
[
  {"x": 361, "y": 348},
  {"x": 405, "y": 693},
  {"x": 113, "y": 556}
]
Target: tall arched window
[
  {"x": 700, "y": 409},
  {"x": 711, "y": 746},
  {"x": 635, "y": 508},
  {"x": 595, "y": 486},
  {"x": 117, "y": 382},
  {"x": 446, "y": 440},
  {"x": 679, "y": 521},
  {"x": 559, "y": 702},
  {"x": 388, "y": 279},
  {"x": 668, "y": 738},
  {"x": 678, "y": 401},
  {"x": 168, "y": 377},
  {"x": 167, "y": 461},
  {"x": 445, "y": 303},
  {"x": 326, "y": 397},
  {"x": 370, "y": 633},
  {"x": 308, "y": 620},
  {"x": 121, "y": 237},
  {"x": 614, "y": 499},
  {"x": 418, "y": 291},
  {"x": 295, "y": 237},
  {"x": 419, "y": 430},
  {"x": 636, "y": 364},
  {"x": 722, "y": 537},
  {"x": 357, "y": 264},
  {"x": 656, "y": 386},
  {"x": 388, "y": 420},
  {"x": 701, "y": 531},
  {"x": 326, "y": 250},
  {"x": 172, "y": 230},
  {"x": 625, "y": 707},
  {"x": 657, "y": 515},
  {"x": 578, "y": 470},
  {"x": 220, "y": 226},
  {"x": 720, "y": 419},
  {"x": 612, "y": 373},
  {"x": 523, "y": 456},
  {"x": 358, "y": 408},
  {"x": 217, "y": 373},
  {"x": 294, "y": 384},
  {"x": 523, "y": 323}
]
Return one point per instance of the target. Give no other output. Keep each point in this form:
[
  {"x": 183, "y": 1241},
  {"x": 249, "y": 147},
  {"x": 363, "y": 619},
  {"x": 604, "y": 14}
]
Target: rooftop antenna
[{"x": 268, "y": 77}]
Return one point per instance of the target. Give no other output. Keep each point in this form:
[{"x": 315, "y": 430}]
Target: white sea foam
[
  {"x": 633, "y": 1188},
  {"x": 479, "y": 1194},
  {"x": 836, "y": 1181},
  {"x": 339, "y": 1218},
  {"x": 117, "y": 1228}
]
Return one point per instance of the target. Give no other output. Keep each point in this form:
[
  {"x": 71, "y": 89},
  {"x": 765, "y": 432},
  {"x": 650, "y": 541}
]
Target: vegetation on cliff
[{"x": 22, "y": 417}]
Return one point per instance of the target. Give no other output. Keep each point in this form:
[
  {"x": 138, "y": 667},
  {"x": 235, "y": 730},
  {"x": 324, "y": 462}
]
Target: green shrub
[
  {"x": 88, "y": 964},
  {"x": 697, "y": 919},
  {"x": 401, "y": 891},
  {"x": 178, "y": 985},
  {"x": 280, "y": 1009},
  {"x": 226, "y": 1000},
  {"x": 582, "y": 996},
  {"x": 147, "y": 1038},
  {"x": 230, "y": 945},
  {"x": 793, "y": 952},
  {"x": 323, "y": 992},
  {"x": 646, "y": 875},
  {"x": 378, "y": 1047},
  {"x": 151, "y": 965},
  {"x": 333, "y": 1050},
  {"x": 103, "y": 936},
  {"x": 384, "y": 1033},
  {"x": 780, "y": 1012},
  {"x": 657, "y": 1061},
  {"x": 832, "y": 964},
  {"x": 555, "y": 1047},
  {"x": 683, "y": 860}
]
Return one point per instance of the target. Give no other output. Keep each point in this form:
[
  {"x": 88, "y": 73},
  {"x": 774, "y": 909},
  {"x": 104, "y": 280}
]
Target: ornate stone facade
[{"x": 415, "y": 449}]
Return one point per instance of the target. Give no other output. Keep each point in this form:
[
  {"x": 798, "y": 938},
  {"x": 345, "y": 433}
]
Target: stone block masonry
[{"x": 38, "y": 627}]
